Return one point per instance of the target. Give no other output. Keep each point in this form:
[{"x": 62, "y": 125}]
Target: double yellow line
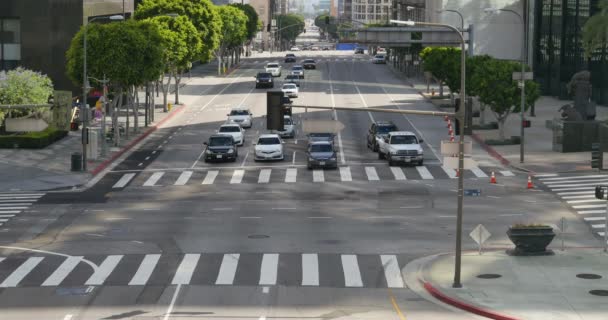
[{"x": 395, "y": 305}]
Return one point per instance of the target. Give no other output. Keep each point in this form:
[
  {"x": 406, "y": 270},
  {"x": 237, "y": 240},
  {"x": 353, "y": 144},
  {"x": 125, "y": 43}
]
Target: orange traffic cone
[
  {"x": 493, "y": 178},
  {"x": 449, "y": 123},
  {"x": 530, "y": 185}
]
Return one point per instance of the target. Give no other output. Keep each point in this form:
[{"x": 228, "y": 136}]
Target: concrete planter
[{"x": 530, "y": 241}]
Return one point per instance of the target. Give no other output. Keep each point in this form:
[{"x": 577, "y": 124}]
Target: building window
[{"x": 10, "y": 43}]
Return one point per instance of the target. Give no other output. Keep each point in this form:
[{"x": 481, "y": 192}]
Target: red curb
[
  {"x": 490, "y": 150},
  {"x": 106, "y": 163},
  {"x": 463, "y": 305}
]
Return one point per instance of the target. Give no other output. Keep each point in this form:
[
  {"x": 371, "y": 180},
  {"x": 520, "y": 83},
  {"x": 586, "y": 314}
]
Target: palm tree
[{"x": 595, "y": 31}]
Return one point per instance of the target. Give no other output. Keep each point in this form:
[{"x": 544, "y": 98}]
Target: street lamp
[
  {"x": 461, "y": 115},
  {"x": 84, "y": 108},
  {"x": 523, "y": 70},
  {"x": 458, "y": 13}
]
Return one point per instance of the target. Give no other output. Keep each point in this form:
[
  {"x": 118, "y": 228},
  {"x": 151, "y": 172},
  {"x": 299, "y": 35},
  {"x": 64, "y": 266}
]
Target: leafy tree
[
  {"x": 496, "y": 88},
  {"x": 475, "y": 67},
  {"x": 444, "y": 64},
  {"x": 292, "y": 25},
  {"x": 23, "y": 86},
  {"x": 128, "y": 53},
  {"x": 331, "y": 28},
  {"x": 253, "y": 21},
  {"x": 202, "y": 13},
  {"x": 234, "y": 32},
  {"x": 595, "y": 31}
]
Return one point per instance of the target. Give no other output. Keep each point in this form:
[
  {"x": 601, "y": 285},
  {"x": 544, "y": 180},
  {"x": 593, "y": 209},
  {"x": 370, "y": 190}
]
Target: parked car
[
  {"x": 268, "y": 147},
  {"x": 321, "y": 154},
  {"x": 241, "y": 116},
  {"x": 290, "y": 90},
  {"x": 290, "y": 57},
  {"x": 220, "y": 147},
  {"x": 298, "y": 70},
  {"x": 378, "y": 131},
  {"x": 309, "y": 64},
  {"x": 294, "y": 49},
  {"x": 235, "y": 131},
  {"x": 274, "y": 69},
  {"x": 292, "y": 78},
  {"x": 401, "y": 146},
  {"x": 379, "y": 59},
  {"x": 359, "y": 50},
  {"x": 289, "y": 130},
  {"x": 264, "y": 80}
]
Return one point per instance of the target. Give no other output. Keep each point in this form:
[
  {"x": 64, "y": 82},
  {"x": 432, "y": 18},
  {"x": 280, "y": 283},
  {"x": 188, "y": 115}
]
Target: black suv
[
  {"x": 264, "y": 79},
  {"x": 379, "y": 130},
  {"x": 221, "y": 147},
  {"x": 309, "y": 64},
  {"x": 359, "y": 50},
  {"x": 290, "y": 57}
]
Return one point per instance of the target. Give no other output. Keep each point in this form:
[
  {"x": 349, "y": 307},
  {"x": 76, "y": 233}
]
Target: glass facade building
[{"x": 558, "y": 51}]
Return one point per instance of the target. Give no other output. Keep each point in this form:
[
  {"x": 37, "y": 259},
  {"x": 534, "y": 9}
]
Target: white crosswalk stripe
[
  {"x": 147, "y": 266},
  {"x": 237, "y": 176},
  {"x": 450, "y": 172},
  {"x": 151, "y": 182},
  {"x": 186, "y": 269},
  {"x": 424, "y": 173},
  {"x": 478, "y": 172},
  {"x": 345, "y": 174},
  {"x": 228, "y": 269},
  {"x": 268, "y": 272},
  {"x": 318, "y": 176},
  {"x": 507, "y": 173},
  {"x": 371, "y": 173},
  {"x": 392, "y": 272},
  {"x": 398, "y": 173},
  {"x": 103, "y": 270},
  {"x": 62, "y": 272},
  {"x": 210, "y": 177},
  {"x": 290, "y": 175},
  {"x": 124, "y": 180},
  {"x": 183, "y": 178},
  {"x": 12, "y": 204},
  {"x": 352, "y": 275},
  {"x": 310, "y": 269},
  {"x": 264, "y": 176},
  {"x": 24, "y": 269}
]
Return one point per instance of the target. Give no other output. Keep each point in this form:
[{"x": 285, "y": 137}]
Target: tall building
[
  {"x": 371, "y": 11},
  {"x": 345, "y": 9},
  {"x": 333, "y": 8},
  {"x": 324, "y": 5}
]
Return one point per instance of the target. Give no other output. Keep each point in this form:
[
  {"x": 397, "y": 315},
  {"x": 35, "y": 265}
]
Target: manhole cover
[
  {"x": 601, "y": 293},
  {"x": 258, "y": 236},
  {"x": 489, "y": 276},
  {"x": 589, "y": 276}
]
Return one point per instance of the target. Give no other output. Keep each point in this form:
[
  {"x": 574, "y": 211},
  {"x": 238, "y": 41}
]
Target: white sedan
[
  {"x": 235, "y": 131},
  {"x": 268, "y": 147},
  {"x": 290, "y": 90},
  {"x": 294, "y": 49},
  {"x": 241, "y": 116}
]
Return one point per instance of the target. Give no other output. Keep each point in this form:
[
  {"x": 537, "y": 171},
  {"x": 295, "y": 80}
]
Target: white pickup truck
[
  {"x": 274, "y": 69},
  {"x": 401, "y": 146}
]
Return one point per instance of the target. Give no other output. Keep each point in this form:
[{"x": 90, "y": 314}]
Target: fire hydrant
[{"x": 169, "y": 105}]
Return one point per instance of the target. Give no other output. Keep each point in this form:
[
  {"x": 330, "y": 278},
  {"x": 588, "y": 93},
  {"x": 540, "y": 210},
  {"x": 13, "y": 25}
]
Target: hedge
[{"x": 32, "y": 140}]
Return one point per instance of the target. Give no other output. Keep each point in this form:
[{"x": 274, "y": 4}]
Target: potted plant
[{"x": 530, "y": 239}]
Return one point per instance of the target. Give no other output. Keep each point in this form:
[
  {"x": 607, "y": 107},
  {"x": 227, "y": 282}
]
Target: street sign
[
  {"x": 273, "y": 23},
  {"x": 472, "y": 192},
  {"x": 527, "y": 76},
  {"x": 449, "y": 148},
  {"x": 452, "y": 163},
  {"x": 480, "y": 234}
]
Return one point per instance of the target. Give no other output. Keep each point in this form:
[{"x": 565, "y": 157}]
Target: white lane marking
[
  {"x": 103, "y": 271},
  {"x": 398, "y": 173},
  {"x": 352, "y": 275},
  {"x": 124, "y": 180},
  {"x": 6, "y": 215},
  {"x": 246, "y": 96},
  {"x": 34, "y": 195},
  {"x": 573, "y": 189},
  {"x": 449, "y": 171},
  {"x": 569, "y": 182},
  {"x": 511, "y": 215},
  {"x": 345, "y": 174},
  {"x": 90, "y": 263},
  {"x": 293, "y": 158},
  {"x": 586, "y": 201},
  {"x": 151, "y": 182},
  {"x": 424, "y": 173},
  {"x": 319, "y": 217},
  {"x": 590, "y": 192},
  {"x": 219, "y": 93},
  {"x": 237, "y": 176},
  {"x": 570, "y": 185},
  {"x": 172, "y": 304},
  {"x": 333, "y": 104},
  {"x": 2, "y": 205},
  {"x": 21, "y": 272},
  {"x": 228, "y": 269},
  {"x": 62, "y": 272},
  {"x": 507, "y": 173},
  {"x": 572, "y": 177},
  {"x": 589, "y": 196},
  {"x": 478, "y": 173},
  {"x": 210, "y": 177},
  {"x": 183, "y": 178},
  {"x": 318, "y": 176},
  {"x": 371, "y": 173},
  {"x": 594, "y": 218},
  {"x": 589, "y": 206},
  {"x": 583, "y": 212},
  {"x": 10, "y": 211},
  {"x": 186, "y": 269},
  {"x": 146, "y": 267},
  {"x": 245, "y": 159},
  {"x": 33, "y": 198},
  {"x": 291, "y": 174},
  {"x": 598, "y": 226},
  {"x": 264, "y": 176},
  {"x": 310, "y": 269},
  {"x": 546, "y": 175},
  {"x": 371, "y": 117},
  {"x": 67, "y": 317},
  {"x": 268, "y": 272},
  {"x": 12, "y": 208},
  {"x": 392, "y": 272}
]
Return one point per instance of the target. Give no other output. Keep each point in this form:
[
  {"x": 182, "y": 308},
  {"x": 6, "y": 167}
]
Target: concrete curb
[
  {"x": 116, "y": 155},
  {"x": 463, "y": 305}
]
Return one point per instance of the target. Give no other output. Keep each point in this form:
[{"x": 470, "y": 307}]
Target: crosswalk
[
  {"x": 221, "y": 269},
  {"x": 12, "y": 204},
  {"x": 317, "y": 60},
  {"x": 293, "y": 175},
  {"x": 578, "y": 191}
]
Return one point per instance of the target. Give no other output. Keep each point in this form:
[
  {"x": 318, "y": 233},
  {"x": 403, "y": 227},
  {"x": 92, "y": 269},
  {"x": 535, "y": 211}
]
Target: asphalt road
[{"x": 168, "y": 236}]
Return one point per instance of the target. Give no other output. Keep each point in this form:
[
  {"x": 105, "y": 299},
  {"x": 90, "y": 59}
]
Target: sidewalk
[{"x": 531, "y": 288}]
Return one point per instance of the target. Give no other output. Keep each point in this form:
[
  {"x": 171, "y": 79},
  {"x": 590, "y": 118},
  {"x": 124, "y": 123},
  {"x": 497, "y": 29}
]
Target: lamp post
[
  {"x": 461, "y": 115},
  {"x": 84, "y": 108},
  {"x": 523, "y": 70},
  {"x": 458, "y": 13}
]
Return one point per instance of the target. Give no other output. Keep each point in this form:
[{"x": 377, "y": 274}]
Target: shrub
[{"x": 32, "y": 140}]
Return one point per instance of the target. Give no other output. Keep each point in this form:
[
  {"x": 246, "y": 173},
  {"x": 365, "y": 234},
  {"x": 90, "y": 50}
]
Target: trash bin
[{"x": 77, "y": 161}]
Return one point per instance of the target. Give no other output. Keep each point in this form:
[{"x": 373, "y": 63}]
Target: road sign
[
  {"x": 472, "y": 192},
  {"x": 452, "y": 163},
  {"x": 449, "y": 148},
  {"x": 273, "y": 22},
  {"x": 480, "y": 234},
  {"x": 527, "y": 75}
]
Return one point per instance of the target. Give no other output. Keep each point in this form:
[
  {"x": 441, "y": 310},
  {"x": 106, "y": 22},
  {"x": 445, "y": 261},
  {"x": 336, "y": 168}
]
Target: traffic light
[
  {"x": 596, "y": 156},
  {"x": 274, "y": 110},
  {"x": 268, "y": 28},
  {"x": 599, "y": 192}
]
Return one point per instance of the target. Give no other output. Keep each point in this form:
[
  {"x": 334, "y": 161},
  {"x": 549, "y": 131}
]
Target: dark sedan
[
  {"x": 290, "y": 57},
  {"x": 309, "y": 64},
  {"x": 221, "y": 147},
  {"x": 321, "y": 154}
]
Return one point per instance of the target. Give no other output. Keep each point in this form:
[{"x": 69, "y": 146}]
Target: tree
[
  {"x": 23, "y": 86},
  {"x": 331, "y": 28},
  {"x": 292, "y": 25},
  {"x": 595, "y": 31},
  {"x": 128, "y": 53},
  {"x": 496, "y": 88},
  {"x": 475, "y": 67},
  {"x": 444, "y": 64},
  {"x": 202, "y": 13},
  {"x": 234, "y": 32},
  {"x": 253, "y": 21}
]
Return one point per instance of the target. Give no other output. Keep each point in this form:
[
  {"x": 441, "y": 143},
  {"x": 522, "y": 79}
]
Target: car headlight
[
  {"x": 257, "y": 80},
  {"x": 333, "y": 159},
  {"x": 419, "y": 152},
  {"x": 231, "y": 151},
  {"x": 208, "y": 151},
  {"x": 311, "y": 159}
]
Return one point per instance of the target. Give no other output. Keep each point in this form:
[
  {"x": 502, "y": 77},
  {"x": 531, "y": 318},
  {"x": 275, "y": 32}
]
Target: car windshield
[
  {"x": 287, "y": 121},
  {"x": 379, "y": 57},
  {"x": 296, "y": 68},
  {"x": 290, "y": 55},
  {"x": 321, "y": 148},
  {"x": 289, "y": 86},
  {"x": 230, "y": 129},
  {"x": 320, "y": 136},
  {"x": 272, "y": 65},
  {"x": 220, "y": 141},
  {"x": 309, "y": 61},
  {"x": 239, "y": 113},
  {"x": 386, "y": 129},
  {"x": 269, "y": 141},
  {"x": 404, "y": 140},
  {"x": 291, "y": 77}
]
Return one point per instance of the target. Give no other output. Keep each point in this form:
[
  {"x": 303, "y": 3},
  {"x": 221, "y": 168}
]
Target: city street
[{"x": 165, "y": 235}]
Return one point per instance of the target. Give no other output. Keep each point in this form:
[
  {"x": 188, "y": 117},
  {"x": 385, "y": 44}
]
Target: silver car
[
  {"x": 321, "y": 154},
  {"x": 289, "y": 128}
]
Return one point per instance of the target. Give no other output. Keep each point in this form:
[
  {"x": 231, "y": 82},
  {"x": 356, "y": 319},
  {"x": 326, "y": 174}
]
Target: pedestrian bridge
[{"x": 400, "y": 36}]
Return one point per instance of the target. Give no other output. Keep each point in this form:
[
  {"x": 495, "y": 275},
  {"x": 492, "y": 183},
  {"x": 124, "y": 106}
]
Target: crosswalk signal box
[{"x": 274, "y": 110}]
